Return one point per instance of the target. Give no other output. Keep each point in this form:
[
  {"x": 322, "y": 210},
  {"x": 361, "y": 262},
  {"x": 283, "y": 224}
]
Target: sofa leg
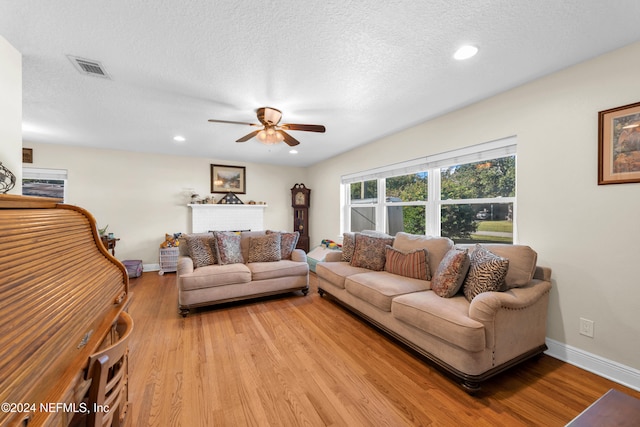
[
  {"x": 184, "y": 312},
  {"x": 305, "y": 291},
  {"x": 471, "y": 387},
  {"x": 321, "y": 292}
]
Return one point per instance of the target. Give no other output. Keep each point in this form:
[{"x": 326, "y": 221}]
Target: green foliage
[
  {"x": 364, "y": 190},
  {"x": 458, "y": 221},
  {"x": 492, "y": 178},
  {"x": 408, "y": 188}
]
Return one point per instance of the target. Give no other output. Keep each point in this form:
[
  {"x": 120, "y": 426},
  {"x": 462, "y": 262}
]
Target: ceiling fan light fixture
[{"x": 270, "y": 136}]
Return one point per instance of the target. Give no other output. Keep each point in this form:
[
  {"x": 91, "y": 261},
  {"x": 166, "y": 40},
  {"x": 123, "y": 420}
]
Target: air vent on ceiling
[{"x": 88, "y": 67}]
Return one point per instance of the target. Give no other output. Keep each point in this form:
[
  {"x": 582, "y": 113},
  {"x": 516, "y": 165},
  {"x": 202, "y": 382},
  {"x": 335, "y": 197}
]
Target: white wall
[
  {"x": 142, "y": 196},
  {"x": 588, "y": 234},
  {"x": 11, "y": 111}
]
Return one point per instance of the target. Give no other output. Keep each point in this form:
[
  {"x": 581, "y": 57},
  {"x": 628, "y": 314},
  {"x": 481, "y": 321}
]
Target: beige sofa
[
  {"x": 471, "y": 340},
  {"x": 205, "y": 276}
]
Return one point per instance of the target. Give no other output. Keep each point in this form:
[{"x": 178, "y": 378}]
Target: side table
[{"x": 110, "y": 243}]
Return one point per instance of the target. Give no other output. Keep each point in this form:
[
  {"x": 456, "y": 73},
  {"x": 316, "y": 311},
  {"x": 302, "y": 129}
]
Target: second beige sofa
[
  {"x": 471, "y": 340},
  {"x": 253, "y": 269}
]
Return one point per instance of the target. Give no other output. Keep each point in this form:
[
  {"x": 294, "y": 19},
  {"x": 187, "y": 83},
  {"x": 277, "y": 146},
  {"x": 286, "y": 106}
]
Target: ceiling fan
[{"x": 272, "y": 132}]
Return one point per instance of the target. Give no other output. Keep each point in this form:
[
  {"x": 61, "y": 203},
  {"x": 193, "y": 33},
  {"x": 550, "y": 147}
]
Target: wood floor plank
[{"x": 305, "y": 361}]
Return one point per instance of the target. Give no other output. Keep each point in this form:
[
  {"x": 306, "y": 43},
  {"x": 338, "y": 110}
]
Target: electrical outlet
[{"x": 586, "y": 327}]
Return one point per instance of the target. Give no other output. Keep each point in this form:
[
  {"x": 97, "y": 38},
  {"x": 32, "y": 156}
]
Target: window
[
  {"x": 44, "y": 182},
  {"x": 467, "y": 195}
]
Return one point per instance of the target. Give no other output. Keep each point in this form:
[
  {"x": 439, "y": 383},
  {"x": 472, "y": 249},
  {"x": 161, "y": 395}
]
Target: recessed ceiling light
[
  {"x": 294, "y": 151},
  {"x": 465, "y": 52},
  {"x": 179, "y": 138}
]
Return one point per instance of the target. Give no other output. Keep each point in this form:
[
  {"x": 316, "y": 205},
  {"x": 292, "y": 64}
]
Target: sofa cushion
[
  {"x": 486, "y": 272},
  {"x": 370, "y": 252},
  {"x": 378, "y": 288},
  {"x": 288, "y": 242},
  {"x": 228, "y": 247},
  {"x": 336, "y": 272},
  {"x": 449, "y": 276},
  {"x": 522, "y": 263},
  {"x": 348, "y": 246},
  {"x": 264, "y": 248},
  {"x": 274, "y": 270},
  {"x": 408, "y": 264},
  {"x": 201, "y": 249},
  {"x": 447, "y": 319},
  {"x": 436, "y": 247},
  {"x": 215, "y": 275},
  {"x": 245, "y": 239}
]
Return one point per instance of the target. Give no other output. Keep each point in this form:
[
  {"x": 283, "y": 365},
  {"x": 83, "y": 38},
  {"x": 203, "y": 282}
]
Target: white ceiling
[{"x": 363, "y": 69}]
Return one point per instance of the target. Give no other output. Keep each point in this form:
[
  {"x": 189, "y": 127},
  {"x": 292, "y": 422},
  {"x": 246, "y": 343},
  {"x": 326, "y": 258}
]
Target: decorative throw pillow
[
  {"x": 264, "y": 248},
  {"x": 228, "y": 246},
  {"x": 288, "y": 242},
  {"x": 408, "y": 264},
  {"x": 201, "y": 250},
  {"x": 447, "y": 280},
  {"x": 348, "y": 246},
  {"x": 486, "y": 273},
  {"x": 369, "y": 252}
]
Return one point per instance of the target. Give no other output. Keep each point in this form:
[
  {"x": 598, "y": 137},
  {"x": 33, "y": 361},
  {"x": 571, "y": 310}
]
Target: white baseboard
[
  {"x": 151, "y": 267},
  {"x": 614, "y": 371}
]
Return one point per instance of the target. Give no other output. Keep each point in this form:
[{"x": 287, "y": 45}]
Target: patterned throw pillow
[
  {"x": 370, "y": 252},
  {"x": 288, "y": 242},
  {"x": 447, "y": 280},
  {"x": 486, "y": 273},
  {"x": 408, "y": 264},
  {"x": 228, "y": 246},
  {"x": 264, "y": 248},
  {"x": 348, "y": 246},
  {"x": 201, "y": 250}
]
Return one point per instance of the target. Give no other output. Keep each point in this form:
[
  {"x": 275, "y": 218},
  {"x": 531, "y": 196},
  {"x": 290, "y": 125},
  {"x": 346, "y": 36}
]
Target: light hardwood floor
[{"x": 305, "y": 361}]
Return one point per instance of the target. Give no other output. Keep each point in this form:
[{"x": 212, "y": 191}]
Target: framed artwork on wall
[
  {"x": 619, "y": 145},
  {"x": 27, "y": 155},
  {"x": 225, "y": 179}
]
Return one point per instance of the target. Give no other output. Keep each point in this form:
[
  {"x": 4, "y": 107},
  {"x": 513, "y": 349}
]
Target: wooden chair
[{"x": 107, "y": 400}]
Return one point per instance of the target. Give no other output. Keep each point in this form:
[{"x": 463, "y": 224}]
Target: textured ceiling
[{"x": 363, "y": 69}]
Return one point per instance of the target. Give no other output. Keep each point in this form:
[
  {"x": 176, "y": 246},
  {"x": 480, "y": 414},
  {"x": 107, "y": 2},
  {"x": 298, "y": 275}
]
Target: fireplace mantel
[{"x": 229, "y": 217}]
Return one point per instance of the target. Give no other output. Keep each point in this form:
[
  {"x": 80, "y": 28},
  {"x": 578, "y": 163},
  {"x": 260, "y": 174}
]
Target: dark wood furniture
[
  {"x": 613, "y": 409},
  {"x": 300, "y": 200},
  {"x": 62, "y": 292},
  {"x": 109, "y": 243}
]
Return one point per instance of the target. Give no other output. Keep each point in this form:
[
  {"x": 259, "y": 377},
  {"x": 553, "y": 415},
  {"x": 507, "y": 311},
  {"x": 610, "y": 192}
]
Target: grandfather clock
[{"x": 300, "y": 196}]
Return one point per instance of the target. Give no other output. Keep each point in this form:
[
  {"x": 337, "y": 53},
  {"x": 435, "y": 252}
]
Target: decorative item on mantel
[
  {"x": 7, "y": 179},
  {"x": 230, "y": 199},
  {"x": 195, "y": 198}
]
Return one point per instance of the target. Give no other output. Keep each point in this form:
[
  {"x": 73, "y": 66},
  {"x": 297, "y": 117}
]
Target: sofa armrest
[
  {"x": 514, "y": 317},
  {"x": 542, "y": 273},
  {"x": 299, "y": 255},
  {"x": 333, "y": 256},
  {"x": 185, "y": 265}
]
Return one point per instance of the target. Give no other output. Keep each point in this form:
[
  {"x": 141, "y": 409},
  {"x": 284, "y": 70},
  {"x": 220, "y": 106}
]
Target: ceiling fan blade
[
  {"x": 306, "y": 128},
  {"x": 232, "y": 122},
  {"x": 289, "y": 139},
  {"x": 249, "y": 136}
]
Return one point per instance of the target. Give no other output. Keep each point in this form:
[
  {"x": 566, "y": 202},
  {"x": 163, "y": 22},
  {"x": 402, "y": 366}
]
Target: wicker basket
[{"x": 168, "y": 260}]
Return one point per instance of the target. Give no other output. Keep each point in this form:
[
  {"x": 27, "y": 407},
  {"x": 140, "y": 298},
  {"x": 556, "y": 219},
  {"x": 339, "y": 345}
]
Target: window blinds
[{"x": 474, "y": 153}]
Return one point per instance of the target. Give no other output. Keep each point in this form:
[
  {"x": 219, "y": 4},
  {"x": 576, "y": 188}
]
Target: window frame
[{"x": 432, "y": 165}]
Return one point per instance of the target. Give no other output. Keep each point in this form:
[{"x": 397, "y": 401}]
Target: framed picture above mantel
[
  {"x": 225, "y": 179},
  {"x": 619, "y": 145}
]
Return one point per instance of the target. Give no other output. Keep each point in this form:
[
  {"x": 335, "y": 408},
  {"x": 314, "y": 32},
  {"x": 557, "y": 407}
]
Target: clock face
[{"x": 300, "y": 199}]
